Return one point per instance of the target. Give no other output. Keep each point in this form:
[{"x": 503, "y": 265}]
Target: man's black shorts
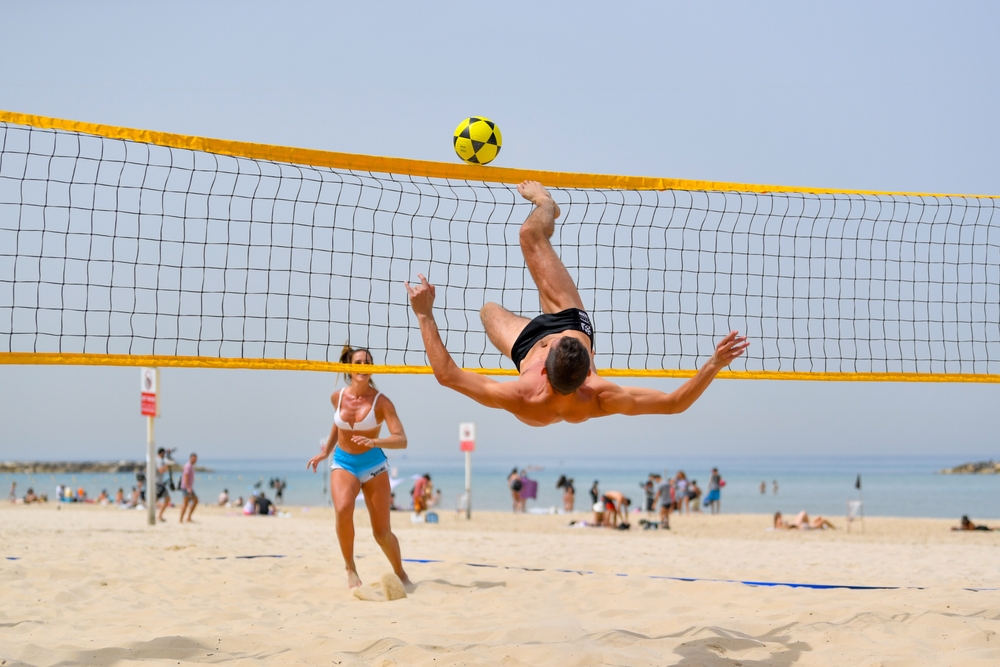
[{"x": 546, "y": 324}]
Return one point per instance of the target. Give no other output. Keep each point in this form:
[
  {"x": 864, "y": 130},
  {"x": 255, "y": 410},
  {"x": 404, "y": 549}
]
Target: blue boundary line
[{"x": 818, "y": 587}]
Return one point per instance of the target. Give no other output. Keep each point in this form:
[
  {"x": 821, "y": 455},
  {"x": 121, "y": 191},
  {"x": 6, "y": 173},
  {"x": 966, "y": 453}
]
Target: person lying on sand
[
  {"x": 966, "y": 524},
  {"x": 802, "y": 522}
]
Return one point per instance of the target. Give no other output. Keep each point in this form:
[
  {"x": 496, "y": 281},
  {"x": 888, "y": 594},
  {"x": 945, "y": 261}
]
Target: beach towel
[{"x": 529, "y": 488}]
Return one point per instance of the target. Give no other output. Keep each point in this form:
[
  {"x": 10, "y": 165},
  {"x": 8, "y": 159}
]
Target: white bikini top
[{"x": 366, "y": 424}]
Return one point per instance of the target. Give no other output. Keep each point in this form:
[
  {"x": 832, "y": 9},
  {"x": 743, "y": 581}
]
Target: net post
[
  {"x": 468, "y": 485},
  {"x": 150, "y": 472}
]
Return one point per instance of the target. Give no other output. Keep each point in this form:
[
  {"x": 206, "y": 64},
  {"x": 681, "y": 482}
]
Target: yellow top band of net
[{"x": 391, "y": 165}]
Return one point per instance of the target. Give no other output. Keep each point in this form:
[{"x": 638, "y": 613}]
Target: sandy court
[{"x": 94, "y": 585}]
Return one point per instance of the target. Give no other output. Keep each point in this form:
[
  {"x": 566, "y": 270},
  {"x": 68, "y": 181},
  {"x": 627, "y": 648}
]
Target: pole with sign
[
  {"x": 467, "y": 444},
  {"x": 151, "y": 409}
]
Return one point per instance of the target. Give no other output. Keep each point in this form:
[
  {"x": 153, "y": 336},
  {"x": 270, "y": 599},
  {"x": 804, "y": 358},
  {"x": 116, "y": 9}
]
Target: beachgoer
[
  {"x": 162, "y": 492},
  {"x": 663, "y": 501},
  {"x": 261, "y": 505},
  {"x": 12, "y": 495},
  {"x": 802, "y": 522},
  {"x": 515, "y": 485},
  {"x": 763, "y": 487},
  {"x": 224, "y": 498},
  {"x": 714, "y": 497},
  {"x": 553, "y": 352},
  {"x": 569, "y": 492},
  {"x": 187, "y": 486},
  {"x": 279, "y": 490},
  {"x": 774, "y": 487},
  {"x": 616, "y": 506},
  {"x": 120, "y": 497},
  {"x": 648, "y": 491},
  {"x": 420, "y": 493},
  {"x": 595, "y": 494},
  {"x": 103, "y": 499},
  {"x": 694, "y": 495},
  {"x": 680, "y": 492},
  {"x": 964, "y": 524},
  {"x": 598, "y": 513},
  {"x": 30, "y": 496},
  {"x": 359, "y": 464}
]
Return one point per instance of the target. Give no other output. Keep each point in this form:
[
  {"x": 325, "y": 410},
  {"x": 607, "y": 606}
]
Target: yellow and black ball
[{"x": 477, "y": 140}]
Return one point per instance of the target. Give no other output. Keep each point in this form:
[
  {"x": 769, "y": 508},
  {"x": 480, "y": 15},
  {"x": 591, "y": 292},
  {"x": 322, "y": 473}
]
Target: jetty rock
[{"x": 978, "y": 468}]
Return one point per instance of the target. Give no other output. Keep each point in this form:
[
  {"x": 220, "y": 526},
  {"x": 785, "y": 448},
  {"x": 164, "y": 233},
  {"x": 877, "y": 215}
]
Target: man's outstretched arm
[
  {"x": 644, "y": 401},
  {"x": 477, "y": 387}
]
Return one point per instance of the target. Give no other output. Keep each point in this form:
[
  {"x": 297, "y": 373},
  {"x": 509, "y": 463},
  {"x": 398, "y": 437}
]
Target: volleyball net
[{"x": 122, "y": 246}]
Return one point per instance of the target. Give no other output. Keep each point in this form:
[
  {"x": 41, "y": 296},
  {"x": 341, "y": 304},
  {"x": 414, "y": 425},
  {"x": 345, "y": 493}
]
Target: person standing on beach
[
  {"x": 515, "y": 485},
  {"x": 714, "y": 498},
  {"x": 681, "y": 492},
  {"x": 162, "y": 492},
  {"x": 664, "y": 502},
  {"x": 569, "y": 493},
  {"x": 359, "y": 464},
  {"x": 420, "y": 493},
  {"x": 187, "y": 486},
  {"x": 12, "y": 496}
]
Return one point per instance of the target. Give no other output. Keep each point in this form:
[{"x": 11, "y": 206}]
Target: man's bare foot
[
  {"x": 536, "y": 193},
  {"x": 353, "y": 580}
]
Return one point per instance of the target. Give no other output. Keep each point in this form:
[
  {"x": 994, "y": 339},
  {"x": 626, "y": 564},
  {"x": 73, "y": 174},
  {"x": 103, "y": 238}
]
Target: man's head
[
  {"x": 567, "y": 365},
  {"x": 161, "y": 451},
  {"x": 193, "y": 458}
]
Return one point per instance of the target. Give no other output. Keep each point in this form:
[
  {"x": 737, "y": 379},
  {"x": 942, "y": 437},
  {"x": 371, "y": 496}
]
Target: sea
[{"x": 889, "y": 486}]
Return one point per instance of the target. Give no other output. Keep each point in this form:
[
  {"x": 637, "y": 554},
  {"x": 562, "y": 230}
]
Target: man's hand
[
  {"x": 421, "y": 296},
  {"x": 728, "y": 349}
]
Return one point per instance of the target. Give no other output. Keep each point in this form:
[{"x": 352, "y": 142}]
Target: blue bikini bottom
[{"x": 365, "y": 466}]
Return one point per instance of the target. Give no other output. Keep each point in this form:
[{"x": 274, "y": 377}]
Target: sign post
[
  {"x": 467, "y": 444},
  {"x": 151, "y": 409}
]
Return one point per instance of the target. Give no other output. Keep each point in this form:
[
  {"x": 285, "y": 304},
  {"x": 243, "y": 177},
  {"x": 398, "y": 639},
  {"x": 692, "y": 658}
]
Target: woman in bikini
[{"x": 359, "y": 465}]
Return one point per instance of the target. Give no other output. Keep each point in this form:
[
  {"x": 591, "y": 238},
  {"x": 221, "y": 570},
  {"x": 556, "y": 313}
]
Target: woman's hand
[
  {"x": 315, "y": 461},
  {"x": 362, "y": 441}
]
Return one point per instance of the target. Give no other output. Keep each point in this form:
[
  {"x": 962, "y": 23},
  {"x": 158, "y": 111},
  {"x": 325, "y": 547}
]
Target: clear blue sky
[{"x": 895, "y": 96}]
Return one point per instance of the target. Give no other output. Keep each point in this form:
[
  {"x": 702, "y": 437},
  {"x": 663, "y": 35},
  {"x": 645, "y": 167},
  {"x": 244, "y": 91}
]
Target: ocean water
[{"x": 910, "y": 487}]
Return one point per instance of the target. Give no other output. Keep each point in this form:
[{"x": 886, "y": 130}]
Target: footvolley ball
[{"x": 477, "y": 140}]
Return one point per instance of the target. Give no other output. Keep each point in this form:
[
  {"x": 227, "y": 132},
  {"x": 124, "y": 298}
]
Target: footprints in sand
[{"x": 386, "y": 589}]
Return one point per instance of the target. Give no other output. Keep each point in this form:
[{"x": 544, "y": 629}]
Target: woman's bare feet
[
  {"x": 536, "y": 193},
  {"x": 353, "y": 580}
]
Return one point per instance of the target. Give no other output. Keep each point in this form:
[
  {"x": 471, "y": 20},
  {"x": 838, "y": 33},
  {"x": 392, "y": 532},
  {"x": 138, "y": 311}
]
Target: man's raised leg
[
  {"x": 556, "y": 288},
  {"x": 502, "y": 326}
]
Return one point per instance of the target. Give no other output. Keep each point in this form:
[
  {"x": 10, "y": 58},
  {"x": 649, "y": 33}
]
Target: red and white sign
[
  {"x": 149, "y": 388},
  {"x": 467, "y": 437}
]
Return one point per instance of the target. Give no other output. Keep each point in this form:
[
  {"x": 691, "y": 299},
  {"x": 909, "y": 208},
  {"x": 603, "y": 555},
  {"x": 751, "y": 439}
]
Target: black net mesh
[{"x": 110, "y": 246}]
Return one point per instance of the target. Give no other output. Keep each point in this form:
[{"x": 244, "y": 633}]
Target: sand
[{"x": 94, "y": 585}]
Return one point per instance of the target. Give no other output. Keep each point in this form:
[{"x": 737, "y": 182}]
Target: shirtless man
[{"x": 554, "y": 352}]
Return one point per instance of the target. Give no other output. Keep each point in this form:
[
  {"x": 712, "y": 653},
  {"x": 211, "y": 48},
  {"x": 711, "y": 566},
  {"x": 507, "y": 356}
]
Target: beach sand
[{"x": 95, "y": 585}]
